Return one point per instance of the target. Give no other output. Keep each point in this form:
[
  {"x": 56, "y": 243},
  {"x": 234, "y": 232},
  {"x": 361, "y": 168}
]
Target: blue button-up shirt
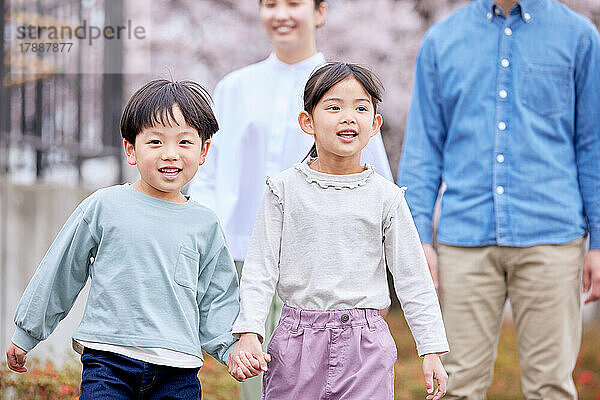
[{"x": 506, "y": 112}]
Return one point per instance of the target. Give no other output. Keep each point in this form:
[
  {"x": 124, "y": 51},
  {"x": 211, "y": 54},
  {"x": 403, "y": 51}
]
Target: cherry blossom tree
[{"x": 206, "y": 39}]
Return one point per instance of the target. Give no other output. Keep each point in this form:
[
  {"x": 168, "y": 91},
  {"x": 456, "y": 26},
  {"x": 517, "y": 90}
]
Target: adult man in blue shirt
[{"x": 506, "y": 112}]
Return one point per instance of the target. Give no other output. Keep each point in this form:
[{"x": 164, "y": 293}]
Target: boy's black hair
[
  {"x": 153, "y": 104},
  {"x": 317, "y": 3},
  {"x": 327, "y": 76}
]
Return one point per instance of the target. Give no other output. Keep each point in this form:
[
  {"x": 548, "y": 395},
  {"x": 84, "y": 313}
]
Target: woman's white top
[
  {"x": 257, "y": 109},
  {"x": 324, "y": 242}
]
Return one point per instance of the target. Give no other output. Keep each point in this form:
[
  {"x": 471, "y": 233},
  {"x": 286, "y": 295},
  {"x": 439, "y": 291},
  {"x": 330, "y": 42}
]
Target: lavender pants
[{"x": 330, "y": 355}]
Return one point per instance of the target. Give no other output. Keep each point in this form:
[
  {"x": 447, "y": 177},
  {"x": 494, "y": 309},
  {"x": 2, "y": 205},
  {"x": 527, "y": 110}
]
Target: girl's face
[
  {"x": 292, "y": 23},
  {"x": 343, "y": 121}
]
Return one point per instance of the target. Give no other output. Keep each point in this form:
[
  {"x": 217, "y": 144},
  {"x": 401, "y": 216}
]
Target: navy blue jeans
[{"x": 112, "y": 376}]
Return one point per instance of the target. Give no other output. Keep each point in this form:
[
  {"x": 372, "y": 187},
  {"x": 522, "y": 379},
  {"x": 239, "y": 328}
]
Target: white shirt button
[
  {"x": 489, "y": 15},
  {"x": 527, "y": 16},
  {"x": 501, "y": 126},
  {"x": 500, "y": 158},
  {"x": 497, "y": 11},
  {"x": 508, "y": 31},
  {"x": 499, "y": 189},
  {"x": 505, "y": 63},
  {"x": 502, "y": 94}
]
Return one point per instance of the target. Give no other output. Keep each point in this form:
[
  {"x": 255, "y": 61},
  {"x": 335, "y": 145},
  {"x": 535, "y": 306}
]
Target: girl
[
  {"x": 325, "y": 233},
  {"x": 257, "y": 108}
]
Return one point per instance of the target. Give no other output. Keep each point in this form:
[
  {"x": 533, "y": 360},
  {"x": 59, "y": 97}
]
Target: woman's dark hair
[
  {"x": 317, "y": 3},
  {"x": 153, "y": 104},
  {"x": 327, "y": 76}
]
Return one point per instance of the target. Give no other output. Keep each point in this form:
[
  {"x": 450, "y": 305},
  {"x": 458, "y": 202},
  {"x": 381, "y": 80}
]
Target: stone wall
[{"x": 31, "y": 216}]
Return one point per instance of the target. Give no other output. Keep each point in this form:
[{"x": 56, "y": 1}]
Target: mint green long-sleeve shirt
[{"x": 161, "y": 276}]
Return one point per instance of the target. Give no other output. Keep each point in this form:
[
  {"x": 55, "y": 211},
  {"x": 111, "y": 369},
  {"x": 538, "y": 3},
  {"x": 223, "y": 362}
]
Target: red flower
[
  {"x": 585, "y": 377},
  {"x": 64, "y": 389}
]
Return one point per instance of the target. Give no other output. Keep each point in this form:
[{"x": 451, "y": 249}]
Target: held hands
[
  {"x": 16, "y": 357},
  {"x": 247, "y": 358},
  {"x": 591, "y": 275},
  {"x": 434, "y": 370},
  {"x": 432, "y": 263}
]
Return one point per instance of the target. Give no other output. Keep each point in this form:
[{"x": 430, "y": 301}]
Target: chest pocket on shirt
[
  {"x": 546, "y": 88},
  {"x": 186, "y": 270}
]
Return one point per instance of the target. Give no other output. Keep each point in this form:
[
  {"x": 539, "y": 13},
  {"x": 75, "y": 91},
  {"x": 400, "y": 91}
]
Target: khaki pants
[
  {"x": 543, "y": 284},
  {"x": 251, "y": 389}
]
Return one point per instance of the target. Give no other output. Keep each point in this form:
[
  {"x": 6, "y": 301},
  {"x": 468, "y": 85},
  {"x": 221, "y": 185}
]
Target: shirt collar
[
  {"x": 309, "y": 63},
  {"x": 526, "y": 8}
]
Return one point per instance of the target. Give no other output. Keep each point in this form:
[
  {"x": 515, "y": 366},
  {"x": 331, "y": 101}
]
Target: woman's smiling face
[{"x": 292, "y": 23}]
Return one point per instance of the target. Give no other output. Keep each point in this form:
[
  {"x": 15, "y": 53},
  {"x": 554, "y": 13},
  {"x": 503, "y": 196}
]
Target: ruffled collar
[{"x": 350, "y": 181}]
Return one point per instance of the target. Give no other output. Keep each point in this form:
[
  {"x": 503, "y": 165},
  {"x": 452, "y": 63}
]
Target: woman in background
[{"x": 257, "y": 109}]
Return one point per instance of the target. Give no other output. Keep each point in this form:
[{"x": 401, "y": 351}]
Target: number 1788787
[{"x": 46, "y": 47}]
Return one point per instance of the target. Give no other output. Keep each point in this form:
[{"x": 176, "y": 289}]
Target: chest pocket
[
  {"x": 546, "y": 89},
  {"x": 186, "y": 270}
]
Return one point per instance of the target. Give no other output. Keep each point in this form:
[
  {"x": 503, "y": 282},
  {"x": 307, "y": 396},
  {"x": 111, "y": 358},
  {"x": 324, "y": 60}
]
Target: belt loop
[
  {"x": 369, "y": 321},
  {"x": 297, "y": 325}
]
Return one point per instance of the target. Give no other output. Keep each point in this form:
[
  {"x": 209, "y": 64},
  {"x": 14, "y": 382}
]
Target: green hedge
[{"x": 44, "y": 382}]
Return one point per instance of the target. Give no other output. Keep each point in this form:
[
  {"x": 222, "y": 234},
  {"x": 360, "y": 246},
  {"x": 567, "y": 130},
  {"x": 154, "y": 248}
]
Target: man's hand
[
  {"x": 432, "y": 263},
  {"x": 434, "y": 370},
  {"x": 16, "y": 357},
  {"x": 591, "y": 275},
  {"x": 247, "y": 358}
]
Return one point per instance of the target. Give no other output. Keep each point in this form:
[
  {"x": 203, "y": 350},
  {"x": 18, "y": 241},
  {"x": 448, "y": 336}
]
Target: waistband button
[{"x": 344, "y": 317}]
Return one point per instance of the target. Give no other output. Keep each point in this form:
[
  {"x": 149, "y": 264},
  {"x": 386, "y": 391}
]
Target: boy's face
[{"x": 167, "y": 157}]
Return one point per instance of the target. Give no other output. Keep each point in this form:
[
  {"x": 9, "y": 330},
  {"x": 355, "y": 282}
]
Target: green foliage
[
  {"x": 41, "y": 382},
  {"x": 506, "y": 385},
  {"x": 44, "y": 382},
  {"x": 216, "y": 383}
]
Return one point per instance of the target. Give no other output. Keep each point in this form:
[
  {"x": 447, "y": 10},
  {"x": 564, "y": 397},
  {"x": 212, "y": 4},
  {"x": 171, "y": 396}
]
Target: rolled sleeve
[{"x": 24, "y": 340}]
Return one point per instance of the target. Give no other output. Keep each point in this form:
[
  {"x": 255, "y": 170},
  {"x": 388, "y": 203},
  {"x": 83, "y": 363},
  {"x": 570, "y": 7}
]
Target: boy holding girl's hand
[{"x": 163, "y": 283}]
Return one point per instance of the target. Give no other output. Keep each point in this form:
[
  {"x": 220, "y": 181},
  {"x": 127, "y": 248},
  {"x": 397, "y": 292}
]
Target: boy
[{"x": 163, "y": 283}]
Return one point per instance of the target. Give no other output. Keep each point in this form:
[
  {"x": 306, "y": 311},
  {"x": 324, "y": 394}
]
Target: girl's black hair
[
  {"x": 153, "y": 104},
  {"x": 317, "y": 3},
  {"x": 324, "y": 78}
]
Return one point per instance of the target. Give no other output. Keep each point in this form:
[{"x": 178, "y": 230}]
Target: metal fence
[
  {"x": 55, "y": 111},
  {"x": 51, "y": 107}
]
